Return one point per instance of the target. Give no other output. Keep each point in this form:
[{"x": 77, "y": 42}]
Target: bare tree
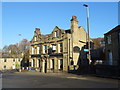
[
  {"x": 16, "y": 50},
  {"x": 24, "y": 46}
]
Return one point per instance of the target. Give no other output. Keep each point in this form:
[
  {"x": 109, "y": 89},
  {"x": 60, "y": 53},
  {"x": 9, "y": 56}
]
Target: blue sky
[{"x": 23, "y": 17}]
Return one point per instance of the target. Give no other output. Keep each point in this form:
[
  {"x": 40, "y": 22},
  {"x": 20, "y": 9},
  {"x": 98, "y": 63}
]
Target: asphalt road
[{"x": 55, "y": 80}]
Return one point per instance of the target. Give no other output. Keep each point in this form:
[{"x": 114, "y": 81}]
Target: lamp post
[
  {"x": 88, "y": 29},
  {"x": 19, "y": 53}
]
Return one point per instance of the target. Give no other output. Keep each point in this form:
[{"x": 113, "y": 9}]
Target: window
[
  {"x": 109, "y": 39},
  {"x": 60, "y": 47},
  {"x": 33, "y": 63},
  {"x": 4, "y": 66},
  {"x": 110, "y": 57},
  {"x": 32, "y": 50},
  {"x": 35, "y": 38},
  {"x": 60, "y": 64},
  {"x": 52, "y": 64},
  {"x": 38, "y": 50},
  {"x": 35, "y": 50},
  {"x": 5, "y": 60},
  {"x": 54, "y": 47},
  {"x": 39, "y": 63},
  {"x": 45, "y": 49},
  {"x": 19, "y": 60},
  {"x": 13, "y": 60},
  {"x": 56, "y": 34},
  {"x": 72, "y": 62}
]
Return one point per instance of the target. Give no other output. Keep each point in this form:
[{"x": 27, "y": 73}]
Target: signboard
[{"x": 86, "y": 50}]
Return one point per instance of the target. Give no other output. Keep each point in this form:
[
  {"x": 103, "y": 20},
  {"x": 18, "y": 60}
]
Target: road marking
[{"x": 77, "y": 78}]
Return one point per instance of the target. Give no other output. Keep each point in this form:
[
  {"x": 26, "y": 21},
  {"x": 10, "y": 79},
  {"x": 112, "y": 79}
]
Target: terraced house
[
  {"x": 9, "y": 63},
  {"x": 59, "y": 51}
]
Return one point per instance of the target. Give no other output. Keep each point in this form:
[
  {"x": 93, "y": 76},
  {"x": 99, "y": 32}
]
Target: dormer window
[{"x": 56, "y": 34}]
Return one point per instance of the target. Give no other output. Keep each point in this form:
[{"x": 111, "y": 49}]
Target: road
[{"x": 55, "y": 80}]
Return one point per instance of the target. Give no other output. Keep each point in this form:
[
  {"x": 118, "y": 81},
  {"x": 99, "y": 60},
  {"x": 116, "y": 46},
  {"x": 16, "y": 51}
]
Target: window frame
[
  {"x": 35, "y": 38},
  {"x": 45, "y": 49},
  {"x": 54, "y": 47},
  {"x": 109, "y": 39},
  {"x": 13, "y": 60},
  {"x": 61, "y": 47},
  {"x": 56, "y": 34},
  {"x": 5, "y": 66},
  {"x": 5, "y": 60}
]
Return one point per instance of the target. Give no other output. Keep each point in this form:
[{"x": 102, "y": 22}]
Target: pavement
[{"x": 32, "y": 79}]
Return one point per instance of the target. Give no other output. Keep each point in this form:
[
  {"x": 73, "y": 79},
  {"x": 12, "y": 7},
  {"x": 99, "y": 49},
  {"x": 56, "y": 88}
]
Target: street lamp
[
  {"x": 88, "y": 29},
  {"x": 19, "y": 53}
]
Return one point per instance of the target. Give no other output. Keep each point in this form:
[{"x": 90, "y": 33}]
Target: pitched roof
[{"x": 117, "y": 28}]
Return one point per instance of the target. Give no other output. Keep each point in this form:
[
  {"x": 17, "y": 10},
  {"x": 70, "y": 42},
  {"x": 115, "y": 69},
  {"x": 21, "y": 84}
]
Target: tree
[
  {"x": 24, "y": 45},
  {"x": 16, "y": 50},
  {"x": 5, "y": 48},
  {"x": 13, "y": 50},
  {"x": 97, "y": 43},
  {"x": 24, "y": 49},
  {"x": 20, "y": 50}
]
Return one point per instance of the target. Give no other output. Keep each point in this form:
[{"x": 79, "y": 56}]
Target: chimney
[
  {"x": 74, "y": 24},
  {"x": 74, "y": 18},
  {"x": 37, "y": 31}
]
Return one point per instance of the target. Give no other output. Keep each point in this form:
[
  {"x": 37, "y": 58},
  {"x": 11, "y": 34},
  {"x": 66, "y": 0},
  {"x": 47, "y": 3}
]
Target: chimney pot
[{"x": 38, "y": 29}]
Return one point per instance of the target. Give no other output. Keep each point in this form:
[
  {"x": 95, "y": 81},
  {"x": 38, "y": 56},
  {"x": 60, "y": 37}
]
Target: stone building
[
  {"x": 112, "y": 46},
  {"x": 58, "y": 51},
  {"x": 8, "y": 63}
]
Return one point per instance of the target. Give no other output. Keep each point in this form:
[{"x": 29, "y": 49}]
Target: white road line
[{"x": 77, "y": 78}]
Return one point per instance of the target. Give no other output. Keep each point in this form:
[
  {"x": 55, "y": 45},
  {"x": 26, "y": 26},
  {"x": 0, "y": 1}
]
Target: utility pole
[
  {"x": 88, "y": 29},
  {"x": 19, "y": 54}
]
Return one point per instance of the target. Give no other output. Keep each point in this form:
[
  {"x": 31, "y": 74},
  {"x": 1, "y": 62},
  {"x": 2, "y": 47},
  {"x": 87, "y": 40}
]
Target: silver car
[{"x": 0, "y": 74}]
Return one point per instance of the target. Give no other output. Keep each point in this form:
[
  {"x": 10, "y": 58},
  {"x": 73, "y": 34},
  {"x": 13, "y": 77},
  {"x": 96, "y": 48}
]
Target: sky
[{"x": 23, "y": 17}]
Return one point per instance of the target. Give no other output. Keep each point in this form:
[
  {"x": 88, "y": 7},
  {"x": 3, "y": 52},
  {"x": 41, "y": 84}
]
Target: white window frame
[
  {"x": 59, "y": 47},
  {"x": 32, "y": 50},
  {"x": 54, "y": 47},
  {"x": 59, "y": 63},
  {"x": 56, "y": 34},
  {"x": 38, "y": 50},
  {"x": 44, "y": 48},
  {"x": 51, "y": 63},
  {"x": 35, "y": 38}
]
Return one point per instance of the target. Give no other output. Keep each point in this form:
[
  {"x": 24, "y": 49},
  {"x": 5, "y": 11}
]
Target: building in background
[
  {"x": 98, "y": 53},
  {"x": 60, "y": 51},
  {"x": 112, "y": 46},
  {"x": 9, "y": 63}
]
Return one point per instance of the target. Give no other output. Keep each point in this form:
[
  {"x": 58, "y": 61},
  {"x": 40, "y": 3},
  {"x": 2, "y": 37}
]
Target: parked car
[{"x": 0, "y": 74}]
